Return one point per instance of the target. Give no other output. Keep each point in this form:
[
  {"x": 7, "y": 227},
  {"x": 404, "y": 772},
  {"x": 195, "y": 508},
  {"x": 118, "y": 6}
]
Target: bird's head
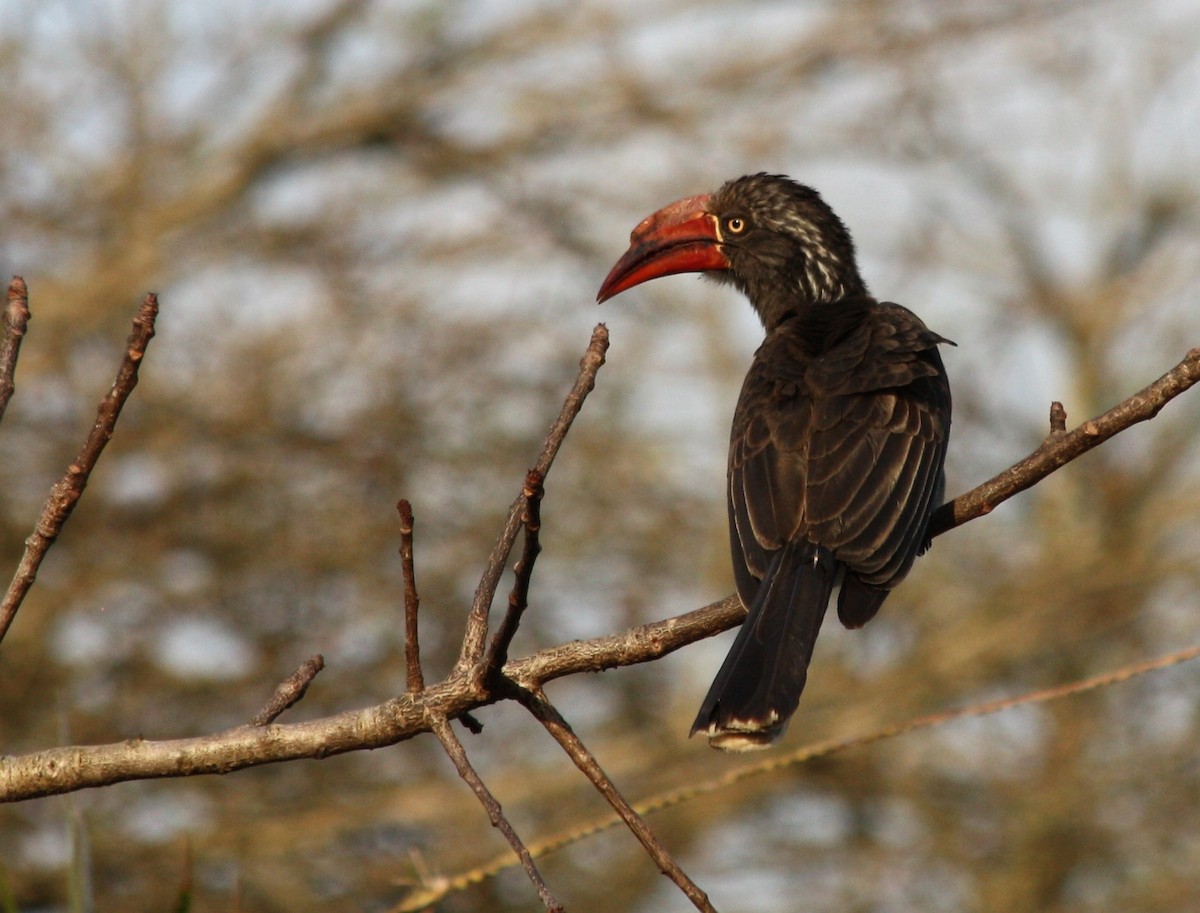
[{"x": 774, "y": 239}]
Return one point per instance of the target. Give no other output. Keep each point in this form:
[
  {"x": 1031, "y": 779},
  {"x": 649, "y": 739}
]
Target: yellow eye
[{"x": 735, "y": 225}]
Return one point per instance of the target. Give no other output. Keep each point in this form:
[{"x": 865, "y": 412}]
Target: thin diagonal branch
[
  {"x": 1060, "y": 449},
  {"x": 445, "y": 734},
  {"x": 518, "y": 599},
  {"x": 16, "y": 320},
  {"x": 545, "y": 712},
  {"x": 412, "y": 602},
  {"x": 290, "y": 690},
  {"x": 67, "y": 491}
]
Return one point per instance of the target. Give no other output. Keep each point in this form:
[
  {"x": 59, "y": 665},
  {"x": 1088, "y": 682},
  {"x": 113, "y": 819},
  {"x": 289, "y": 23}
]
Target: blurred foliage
[{"x": 377, "y": 229}]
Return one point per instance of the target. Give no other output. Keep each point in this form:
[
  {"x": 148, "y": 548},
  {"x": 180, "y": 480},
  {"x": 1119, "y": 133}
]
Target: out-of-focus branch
[
  {"x": 67, "y": 491},
  {"x": 16, "y": 319}
]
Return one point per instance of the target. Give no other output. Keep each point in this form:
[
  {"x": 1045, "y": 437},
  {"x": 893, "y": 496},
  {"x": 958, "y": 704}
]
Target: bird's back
[{"x": 838, "y": 439}]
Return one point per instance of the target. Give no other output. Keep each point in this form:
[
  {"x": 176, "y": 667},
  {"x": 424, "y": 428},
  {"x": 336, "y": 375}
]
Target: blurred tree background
[{"x": 377, "y": 230}]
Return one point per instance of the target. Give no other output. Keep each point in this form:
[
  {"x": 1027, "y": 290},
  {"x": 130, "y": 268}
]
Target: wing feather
[{"x": 843, "y": 448}]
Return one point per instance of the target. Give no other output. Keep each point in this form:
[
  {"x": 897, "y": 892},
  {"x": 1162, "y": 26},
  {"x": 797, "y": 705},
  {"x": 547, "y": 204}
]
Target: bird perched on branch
[{"x": 838, "y": 441}]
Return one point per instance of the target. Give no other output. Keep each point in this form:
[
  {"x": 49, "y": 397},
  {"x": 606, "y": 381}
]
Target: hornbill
[{"x": 838, "y": 441}]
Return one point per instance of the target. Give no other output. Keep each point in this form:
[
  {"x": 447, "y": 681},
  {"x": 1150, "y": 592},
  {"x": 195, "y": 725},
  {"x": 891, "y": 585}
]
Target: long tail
[{"x": 757, "y": 690}]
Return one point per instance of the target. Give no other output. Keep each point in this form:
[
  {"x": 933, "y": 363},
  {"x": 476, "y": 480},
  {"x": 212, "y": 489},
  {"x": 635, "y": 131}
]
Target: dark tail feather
[
  {"x": 759, "y": 685},
  {"x": 858, "y": 602}
]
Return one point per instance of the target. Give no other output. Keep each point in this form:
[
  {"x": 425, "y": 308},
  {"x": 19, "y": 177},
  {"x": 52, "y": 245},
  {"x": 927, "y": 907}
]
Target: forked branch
[
  {"x": 431, "y": 891},
  {"x": 518, "y": 599},
  {"x": 66, "y": 769},
  {"x": 477, "y": 621}
]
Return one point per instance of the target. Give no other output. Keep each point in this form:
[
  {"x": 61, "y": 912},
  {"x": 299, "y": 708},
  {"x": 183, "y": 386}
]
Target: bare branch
[
  {"x": 477, "y": 621},
  {"x": 537, "y": 704},
  {"x": 412, "y": 602},
  {"x": 445, "y": 734},
  {"x": 68, "y": 490},
  {"x": 16, "y": 319},
  {"x": 290, "y": 690},
  {"x": 518, "y": 599},
  {"x": 650, "y": 641},
  {"x": 640, "y": 644},
  {"x": 1060, "y": 449},
  {"x": 61, "y": 770}
]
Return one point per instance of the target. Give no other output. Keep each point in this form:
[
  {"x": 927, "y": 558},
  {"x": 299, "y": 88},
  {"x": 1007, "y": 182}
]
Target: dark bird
[{"x": 838, "y": 441}]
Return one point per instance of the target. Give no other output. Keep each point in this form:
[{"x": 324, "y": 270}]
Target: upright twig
[
  {"x": 445, "y": 734},
  {"x": 518, "y": 599},
  {"x": 67, "y": 491},
  {"x": 1058, "y": 420},
  {"x": 290, "y": 690},
  {"x": 412, "y": 602},
  {"x": 16, "y": 319},
  {"x": 477, "y": 621},
  {"x": 539, "y": 705}
]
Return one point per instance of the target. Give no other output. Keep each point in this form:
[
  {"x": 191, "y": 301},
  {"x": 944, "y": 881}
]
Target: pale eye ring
[{"x": 735, "y": 225}]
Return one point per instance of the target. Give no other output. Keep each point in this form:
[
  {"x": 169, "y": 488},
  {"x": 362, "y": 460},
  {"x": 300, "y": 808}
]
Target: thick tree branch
[
  {"x": 62, "y": 770},
  {"x": 69, "y": 489}
]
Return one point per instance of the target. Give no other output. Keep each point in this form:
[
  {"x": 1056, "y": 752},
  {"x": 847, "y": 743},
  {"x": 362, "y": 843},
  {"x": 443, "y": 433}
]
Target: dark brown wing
[{"x": 839, "y": 439}]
